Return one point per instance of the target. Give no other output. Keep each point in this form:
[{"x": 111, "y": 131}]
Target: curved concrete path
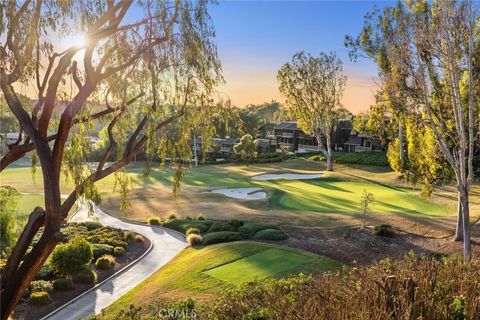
[{"x": 166, "y": 244}]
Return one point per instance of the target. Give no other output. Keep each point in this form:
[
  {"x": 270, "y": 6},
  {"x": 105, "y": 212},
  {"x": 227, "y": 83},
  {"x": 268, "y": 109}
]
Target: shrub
[
  {"x": 221, "y": 236},
  {"x": 182, "y": 225},
  {"x": 200, "y": 217},
  {"x": 446, "y": 289},
  {"x": 231, "y": 225},
  {"x": 138, "y": 238},
  {"x": 188, "y": 218},
  {"x": 194, "y": 239},
  {"x": 92, "y": 225},
  {"x": 86, "y": 276},
  {"x": 378, "y": 159},
  {"x": 41, "y": 285},
  {"x": 251, "y": 228},
  {"x": 45, "y": 272},
  {"x": 69, "y": 258},
  {"x": 154, "y": 221},
  {"x": 39, "y": 298},
  {"x": 101, "y": 249},
  {"x": 270, "y": 234},
  {"x": 105, "y": 262},
  {"x": 118, "y": 251},
  {"x": 384, "y": 230},
  {"x": 172, "y": 216},
  {"x": 128, "y": 236},
  {"x": 192, "y": 230},
  {"x": 62, "y": 284}
]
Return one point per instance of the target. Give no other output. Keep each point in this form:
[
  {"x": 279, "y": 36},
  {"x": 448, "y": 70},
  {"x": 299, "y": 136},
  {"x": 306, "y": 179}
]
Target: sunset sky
[{"x": 255, "y": 38}]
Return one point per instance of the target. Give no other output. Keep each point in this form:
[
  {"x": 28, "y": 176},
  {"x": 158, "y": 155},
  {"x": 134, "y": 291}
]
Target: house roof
[{"x": 289, "y": 125}]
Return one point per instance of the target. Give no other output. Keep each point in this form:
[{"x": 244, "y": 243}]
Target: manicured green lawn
[
  {"x": 26, "y": 204},
  {"x": 187, "y": 275},
  {"x": 260, "y": 265}
]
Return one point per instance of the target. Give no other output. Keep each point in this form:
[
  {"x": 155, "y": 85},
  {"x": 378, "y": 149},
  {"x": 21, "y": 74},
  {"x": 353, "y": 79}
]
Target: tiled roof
[{"x": 289, "y": 125}]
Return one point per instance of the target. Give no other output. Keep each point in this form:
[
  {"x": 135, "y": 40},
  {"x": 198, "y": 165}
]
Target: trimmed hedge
[
  {"x": 378, "y": 159},
  {"x": 101, "y": 249},
  {"x": 221, "y": 236},
  {"x": 270, "y": 234},
  {"x": 182, "y": 225},
  {"x": 231, "y": 225},
  {"x": 69, "y": 258},
  {"x": 92, "y": 225},
  {"x": 39, "y": 298},
  {"x": 251, "y": 228},
  {"x": 192, "y": 230}
]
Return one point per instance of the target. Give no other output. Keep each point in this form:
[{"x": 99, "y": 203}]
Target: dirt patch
[
  {"x": 26, "y": 311},
  {"x": 363, "y": 246}
]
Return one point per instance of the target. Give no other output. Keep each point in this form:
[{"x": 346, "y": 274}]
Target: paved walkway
[{"x": 166, "y": 244}]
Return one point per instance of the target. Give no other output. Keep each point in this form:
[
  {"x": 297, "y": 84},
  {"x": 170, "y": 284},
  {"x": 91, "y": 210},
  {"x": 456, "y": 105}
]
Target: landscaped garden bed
[
  {"x": 201, "y": 231},
  {"x": 89, "y": 254}
]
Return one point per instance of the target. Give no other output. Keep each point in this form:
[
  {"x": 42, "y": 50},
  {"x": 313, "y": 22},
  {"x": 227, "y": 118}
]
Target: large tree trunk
[
  {"x": 459, "y": 227},
  {"x": 14, "y": 287}
]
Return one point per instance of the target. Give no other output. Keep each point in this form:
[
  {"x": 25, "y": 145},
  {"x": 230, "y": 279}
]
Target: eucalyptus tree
[
  {"x": 313, "y": 88},
  {"x": 427, "y": 52},
  {"x": 147, "y": 69}
]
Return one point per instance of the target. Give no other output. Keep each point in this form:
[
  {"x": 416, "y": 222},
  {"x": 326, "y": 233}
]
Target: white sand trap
[
  {"x": 243, "y": 193},
  {"x": 287, "y": 176}
]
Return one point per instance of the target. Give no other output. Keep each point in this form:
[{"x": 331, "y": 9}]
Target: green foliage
[
  {"x": 200, "y": 217},
  {"x": 221, "y": 236},
  {"x": 194, "y": 239},
  {"x": 377, "y": 159},
  {"x": 458, "y": 308},
  {"x": 182, "y": 225},
  {"x": 251, "y": 228},
  {"x": 105, "y": 262},
  {"x": 39, "y": 298},
  {"x": 231, "y": 225},
  {"x": 41, "y": 285},
  {"x": 123, "y": 184},
  {"x": 101, "y": 249},
  {"x": 155, "y": 221},
  {"x": 92, "y": 225},
  {"x": 270, "y": 234},
  {"x": 384, "y": 230},
  {"x": 118, "y": 251},
  {"x": 86, "y": 276},
  {"x": 8, "y": 211},
  {"x": 103, "y": 235},
  {"x": 128, "y": 236},
  {"x": 70, "y": 258},
  {"x": 192, "y": 230},
  {"x": 45, "y": 272},
  {"x": 246, "y": 148},
  {"x": 365, "y": 201},
  {"x": 63, "y": 284},
  {"x": 172, "y": 216},
  {"x": 444, "y": 289},
  {"x": 138, "y": 238}
]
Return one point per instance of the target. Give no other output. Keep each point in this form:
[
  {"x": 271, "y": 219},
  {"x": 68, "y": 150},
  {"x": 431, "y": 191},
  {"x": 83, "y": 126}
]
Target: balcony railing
[
  {"x": 225, "y": 149},
  {"x": 285, "y": 144},
  {"x": 287, "y": 135},
  {"x": 362, "y": 149},
  {"x": 307, "y": 147}
]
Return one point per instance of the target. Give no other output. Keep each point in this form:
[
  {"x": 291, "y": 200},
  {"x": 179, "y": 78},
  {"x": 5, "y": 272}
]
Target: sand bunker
[
  {"x": 243, "y": 193},
  {"x": 287, "y": 176}
]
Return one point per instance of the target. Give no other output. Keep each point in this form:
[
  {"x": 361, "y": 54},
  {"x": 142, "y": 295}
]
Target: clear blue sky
[{"x": 255, "y": 38}]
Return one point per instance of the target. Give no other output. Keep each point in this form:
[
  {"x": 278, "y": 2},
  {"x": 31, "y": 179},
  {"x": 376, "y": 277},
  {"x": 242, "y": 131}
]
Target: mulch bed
[{"x": 26, "y": 311}]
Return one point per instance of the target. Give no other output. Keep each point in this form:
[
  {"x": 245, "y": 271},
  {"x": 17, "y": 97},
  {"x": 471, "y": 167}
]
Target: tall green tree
[
  {"x": 246, "y": 148},
  {"x": 150, "y": 78},
  {"x": 426, "y": 53},
  {"x": 313, "y": 88},
  {"x": 8, "y": 218}
]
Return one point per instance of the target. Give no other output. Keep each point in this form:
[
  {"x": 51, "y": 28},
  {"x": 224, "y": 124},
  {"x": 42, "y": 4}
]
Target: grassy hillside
[{"x": 200, "y": 272}]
